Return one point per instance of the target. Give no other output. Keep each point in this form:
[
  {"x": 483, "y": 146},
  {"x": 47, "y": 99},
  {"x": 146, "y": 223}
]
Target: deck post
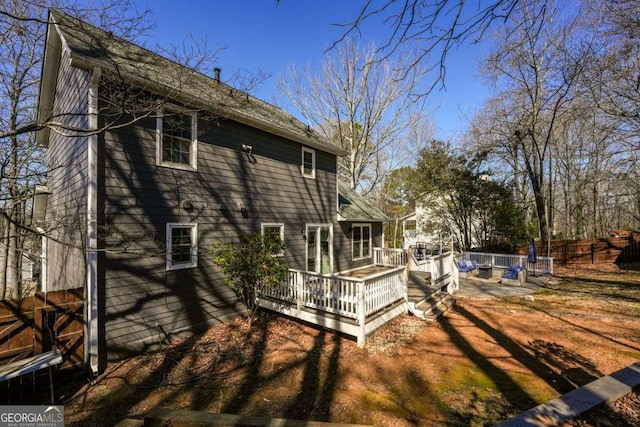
[
  {"x": 432, "y": 274},
  {"x": 361, "y": 315},
  {"x": 299, "y": 291},
  {"x": 455, "y": 276}
]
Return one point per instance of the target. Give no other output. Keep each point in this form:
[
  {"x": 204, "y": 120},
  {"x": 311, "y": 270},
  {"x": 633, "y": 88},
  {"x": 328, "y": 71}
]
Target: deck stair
[{"x": 424, "y": 300}]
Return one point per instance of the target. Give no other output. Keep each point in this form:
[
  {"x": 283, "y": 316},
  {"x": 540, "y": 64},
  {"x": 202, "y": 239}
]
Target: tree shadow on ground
[
  {"x": 318, "y": 386},
  {"x": 191, "y": 374},
  {"x": 595, "y": 280},
  {"x": 515, "y": 350},
  {"x": 562, "y": 316},
  {"x": 312, "y": 397},
  {"x": 114, "y": 403}
]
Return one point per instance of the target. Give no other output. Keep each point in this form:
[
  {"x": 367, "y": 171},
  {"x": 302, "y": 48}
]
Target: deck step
[
  {"x": 431, "y": 307},
  {"x": 434, "y": 312}
]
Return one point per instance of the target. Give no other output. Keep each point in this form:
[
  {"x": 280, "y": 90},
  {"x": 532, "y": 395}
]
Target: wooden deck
[
  {"x": 356, "y": 304},
  {"x": 367, "y": 271},
  {"x": 359, "y": 301}
]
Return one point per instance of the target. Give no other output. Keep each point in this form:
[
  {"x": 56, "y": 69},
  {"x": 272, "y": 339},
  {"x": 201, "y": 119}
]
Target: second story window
[
  {"x": 176, "y": 140},
  {"x": 308, "y": 163}
]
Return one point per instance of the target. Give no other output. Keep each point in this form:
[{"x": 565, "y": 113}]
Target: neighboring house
[
  {"x": 424, "y": 228},
  {"x": 28, "y": 266},
  {"x": 134, "y": 209}
]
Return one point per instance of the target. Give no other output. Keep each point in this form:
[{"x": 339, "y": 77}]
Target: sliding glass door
[{"x": 319, "y": 248}]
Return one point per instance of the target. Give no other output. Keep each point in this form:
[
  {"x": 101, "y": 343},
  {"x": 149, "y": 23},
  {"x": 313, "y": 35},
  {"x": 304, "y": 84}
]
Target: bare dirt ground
[{"x": 483, "y": 362}]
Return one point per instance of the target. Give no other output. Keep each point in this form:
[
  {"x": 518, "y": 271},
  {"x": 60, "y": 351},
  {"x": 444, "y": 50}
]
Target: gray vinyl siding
[
  {"x": 230, "y": 193},
  {"x": 342, "y": 248},
  {"x": 67, "y": 177}
]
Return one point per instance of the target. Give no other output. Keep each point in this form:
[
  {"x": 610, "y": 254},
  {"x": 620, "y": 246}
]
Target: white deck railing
[
  {"x": 390, "y": 257},
  {"x": 543, "y": 264},
  {"x": 416, "y": 264},
  {"x": 443, "y": 272},
  {"x": 341, "y": 295},
  {"x": 346, "y": 297},
  {"x": 383, "y": 289}
]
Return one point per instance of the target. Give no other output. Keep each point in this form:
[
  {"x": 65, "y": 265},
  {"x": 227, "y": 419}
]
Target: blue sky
[{"x": 263, "y": 34}]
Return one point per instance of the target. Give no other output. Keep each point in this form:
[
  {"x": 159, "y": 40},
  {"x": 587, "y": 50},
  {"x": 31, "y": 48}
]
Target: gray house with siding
[{"x": 151, "y": 164}]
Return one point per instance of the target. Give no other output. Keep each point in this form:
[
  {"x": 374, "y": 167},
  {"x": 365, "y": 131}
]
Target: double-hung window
[
  {"x": 308, "y": 163},
  {"x": 176, "y": 142},
  {"x": 270, "y": 232},
  {"x": 182, "y": 246},
  {"x": 361, "y": 241}
]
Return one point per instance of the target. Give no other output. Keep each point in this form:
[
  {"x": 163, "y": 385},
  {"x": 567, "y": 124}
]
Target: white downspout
[
  {"x": 91, "y": 298},
  {"x": 43, "y": 259}
]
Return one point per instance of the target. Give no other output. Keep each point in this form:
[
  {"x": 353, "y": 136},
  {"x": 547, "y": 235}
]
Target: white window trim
[
  {"x": 362, "y": 225},
  {"x": 193, "y": 161},
  {"x": 274, "y": 224},
  {"x": 313, "y": 163},
  {"x": 194, "y": 246}
]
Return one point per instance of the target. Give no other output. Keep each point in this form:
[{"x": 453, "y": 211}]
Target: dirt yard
[{"x": 483, "y": 362}]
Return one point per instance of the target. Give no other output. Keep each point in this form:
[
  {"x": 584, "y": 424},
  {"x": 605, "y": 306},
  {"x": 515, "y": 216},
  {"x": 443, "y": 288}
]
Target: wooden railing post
[
  {"x": 299, "y": 290},
  {"x": 432, "y": 273},
  {"x": 455, "y": 276},
  {"x": 362, "y": 315}
]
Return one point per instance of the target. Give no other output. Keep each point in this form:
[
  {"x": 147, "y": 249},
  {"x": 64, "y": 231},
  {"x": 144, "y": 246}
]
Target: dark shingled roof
[
  {"x": 353, "y": 207},
  {"x": 91, "y": 46}
]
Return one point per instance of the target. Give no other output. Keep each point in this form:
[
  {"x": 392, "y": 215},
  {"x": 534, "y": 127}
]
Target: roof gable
[
  {"x": 92, "y": 47},
  {"x": 353, "y": 207}
]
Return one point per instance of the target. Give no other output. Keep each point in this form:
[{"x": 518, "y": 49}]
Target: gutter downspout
[
  {"x": 91, "y": 297},
  {"x": 43, "y": 260}
]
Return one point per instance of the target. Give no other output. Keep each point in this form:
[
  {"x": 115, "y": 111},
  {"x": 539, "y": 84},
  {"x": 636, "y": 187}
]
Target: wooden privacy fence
[
  {"x": 594, "y": 251},
  {"x": 33, "y": 325}
]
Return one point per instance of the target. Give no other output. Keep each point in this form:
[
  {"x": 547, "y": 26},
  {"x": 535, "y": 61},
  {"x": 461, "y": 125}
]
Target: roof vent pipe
[{"x": 216, "y": 74}]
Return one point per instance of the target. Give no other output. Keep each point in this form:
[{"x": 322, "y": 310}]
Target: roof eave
[
  {"x": 84, "y": 62},
  {"x": 46, "y": 95},
  {"x": 364, "y": 220}
]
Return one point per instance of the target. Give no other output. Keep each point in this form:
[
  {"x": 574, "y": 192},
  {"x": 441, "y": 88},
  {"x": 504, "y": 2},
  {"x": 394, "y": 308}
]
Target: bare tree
[
  {"x": 538, "y": 68},
  {"x": 615, "y": 71},
  {"x": 433, "y": 27},
  {"x": 363, "y": 104}
]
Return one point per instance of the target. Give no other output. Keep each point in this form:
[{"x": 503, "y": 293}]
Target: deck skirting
[{"x": 338, "y": 323}]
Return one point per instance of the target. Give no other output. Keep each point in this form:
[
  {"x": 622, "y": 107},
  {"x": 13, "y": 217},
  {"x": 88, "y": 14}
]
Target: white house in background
[
  {"x": 425, "y": 228},
  {"x": 428, "y": 229},
  {"x": 28, "y": 266}
]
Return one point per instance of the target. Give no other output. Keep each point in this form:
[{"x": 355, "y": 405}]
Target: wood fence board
[
  {"x": 25, "y": 351},
  {"x": 32, "y": 325},
  {"x": 608, "y": 250}
]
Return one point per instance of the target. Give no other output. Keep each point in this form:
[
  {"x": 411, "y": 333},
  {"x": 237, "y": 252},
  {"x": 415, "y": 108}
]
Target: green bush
[{"x": 252, "y": 266}]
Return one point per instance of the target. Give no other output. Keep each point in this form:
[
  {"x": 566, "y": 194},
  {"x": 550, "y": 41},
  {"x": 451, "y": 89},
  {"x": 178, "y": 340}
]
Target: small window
[
  {"x": 273, "y": 231},
  {"x": 182, "y": 246},
  {"x": 176, "y": 140},
  {"x": 361, "y": 241},
  {"x": 308, "y": 163}
]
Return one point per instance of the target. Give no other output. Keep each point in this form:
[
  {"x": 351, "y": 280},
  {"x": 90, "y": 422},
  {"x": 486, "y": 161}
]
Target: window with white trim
[
  {"x": 176, "y": 142},
  {"x": 271, "y": 231},
  {"x": 182, "y": 246},
  {"x": 308, "y": 163},
  {"x": 361, "y": 241}
]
